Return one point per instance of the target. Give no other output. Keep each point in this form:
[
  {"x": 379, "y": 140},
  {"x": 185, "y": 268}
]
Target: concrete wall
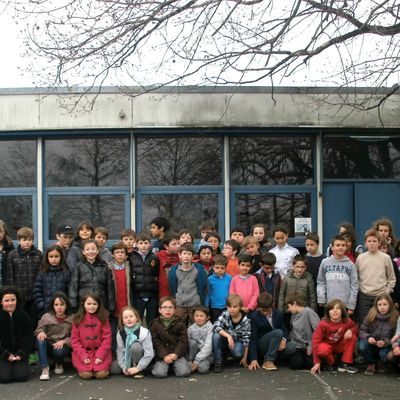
[{"x": 34, "y": 109}]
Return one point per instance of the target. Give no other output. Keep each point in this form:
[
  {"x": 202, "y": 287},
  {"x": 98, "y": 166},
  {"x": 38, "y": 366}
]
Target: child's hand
[
  {"x": 394, "y": 338},
  {"x": 41, "y": 336},
  {"x": 133, "y": 370},
  {"x": 348, "y": 334},
  {"x": 372, "y": 341},
  {"x": 125, "y": 371},
  {"x": 194, "y": 366},
  {"x": 396, "y": 350},
  {"x": 254, "y": 365},
  {"x": 246, "y": 310},
  {"x": 316, "y": 368},
  {"x": 86, "y": 361},
  {"x": 380, "y": 343},
  {"x": 98, "y": 361},
  {"x": 243, "y": 361},
  {"x": 309, "y": 352},
  {"x": 231, "y": 342},
  {"x": 59, "y": 345},
  {"x": 282, "y": 345},
  {"x": 350, "y": 312}
]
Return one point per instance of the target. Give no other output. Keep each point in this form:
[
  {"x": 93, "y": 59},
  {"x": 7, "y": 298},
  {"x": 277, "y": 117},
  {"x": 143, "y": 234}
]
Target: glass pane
[
  {"x": 18, "y": 163},
  {"x": 179, "y": 161},
  {"x": 16, "y": 211},
  {"x": 87, "y": 162},
  {"x": 183, "y": 210},
  {"x": 107, "y": 211},
  {"x": 271, "y": 161},
  {"x": 361, "y": 157},
  {"x": 272, "y": 209}
]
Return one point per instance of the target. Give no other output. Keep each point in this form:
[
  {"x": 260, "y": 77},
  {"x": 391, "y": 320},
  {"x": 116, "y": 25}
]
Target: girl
[
  {"x": 6, "y": 245},
  {"x": 53, "y": 277},
  {"x": 376, "y": 331},
  {"x": 258, "y": 231},
  {"x": 16, "y": 336},
  {"x": 92, "y": 275},
  {"x": 134, "y": 345},
  {"x": 91, "y": 339},
  {"x": 84, "y": 231},
  {"x": 214, "y": 240},
  {"x": 336, "y": 333},
  {"x": 53, "y": 335},
  {"x": 346, "y": 229}
]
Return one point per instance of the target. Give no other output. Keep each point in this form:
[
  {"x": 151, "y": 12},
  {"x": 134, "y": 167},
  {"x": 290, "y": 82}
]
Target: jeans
[
  {"x": 150, "y": 306},
  {"x": 220, "y": 347},
  {"x": 373, "y": 353},
  {"x": 268, "y": 344},
  {"x": 43, "y": 347}
]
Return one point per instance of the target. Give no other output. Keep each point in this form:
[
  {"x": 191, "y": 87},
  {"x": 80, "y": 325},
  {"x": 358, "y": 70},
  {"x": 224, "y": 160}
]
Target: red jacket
[
  {"x": 91, "y": 339},
  {"x": 167, "y": 261}
]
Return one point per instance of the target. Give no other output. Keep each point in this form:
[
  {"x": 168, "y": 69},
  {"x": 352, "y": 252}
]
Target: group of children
[{"x": 250, "y": 297}]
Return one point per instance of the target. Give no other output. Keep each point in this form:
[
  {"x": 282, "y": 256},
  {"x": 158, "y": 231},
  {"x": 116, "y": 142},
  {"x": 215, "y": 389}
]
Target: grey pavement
[{"x": 234, "y": 383}]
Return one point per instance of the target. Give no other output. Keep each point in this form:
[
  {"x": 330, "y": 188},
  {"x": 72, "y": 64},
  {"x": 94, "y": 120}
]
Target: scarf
[{"x": 130, "y": 339}]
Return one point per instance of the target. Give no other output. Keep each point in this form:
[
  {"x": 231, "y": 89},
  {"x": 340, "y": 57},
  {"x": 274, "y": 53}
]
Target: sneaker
[
  {"x": 58, "y": 369},
  {"x": 45, "y": 374},
  {"x": 350, "y": 369},
  {"x": 329, "y": 368},
  {"x": 370, "y": 370},
  {"x": 218, "y": 367},
  {"x": 138, "y": 376},
  {"x": 269, "y": 366},
  {"x": 33, "y": 359}
]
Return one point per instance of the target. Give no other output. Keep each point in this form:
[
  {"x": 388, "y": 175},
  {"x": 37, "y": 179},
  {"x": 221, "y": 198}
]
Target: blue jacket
[
  {"x": 218, "y": 291},
  {"x": 201, "y": 281}
]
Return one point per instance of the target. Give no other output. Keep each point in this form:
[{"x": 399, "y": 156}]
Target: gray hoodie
[
  {"x": 337, "y": 279},
  {"x": 303, "y": 326}
]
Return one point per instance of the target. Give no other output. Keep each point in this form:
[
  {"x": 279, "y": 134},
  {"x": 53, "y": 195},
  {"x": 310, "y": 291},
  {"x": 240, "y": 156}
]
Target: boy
[
  {"x": 158, "y": 228},
  {"x": 170, "y": 341},
  {"x": 128, "y": 238},
  {"x": 337, "y": 277},
  {"x": 313, "y": 256},
  {"x": 375, "y": 274},
  {"x": 205, "y": 256},
  {"x": 187, "y": 283},
  {"x": 268, "y": 334},
  {"x": 269, "y": 281},
  {"x": 303, "y": 322},
  {"x": 168, "y": 258},
  {"x": 283, "y": 251},
  {"x": 101, "y": 237},
  {"x": 251, "y": 247},
  {"x": 65, "y": 236},
  {"x": 200, "y": 341},
  {"x": 237, "y": 234},
  {"x": 231, "y": 250},
  {"x": 231, "y": 333},
  {"x": 205, "y": 228},
  {"x": 145, "y": 269},
  {"x": 218, "y": 287},
  {"x": 245, "y": 285},
  {"x": 300, "y": 281},
  {"x": 23, "y": 264}
]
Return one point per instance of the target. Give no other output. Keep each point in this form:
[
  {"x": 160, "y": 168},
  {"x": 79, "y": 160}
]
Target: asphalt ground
[{"x": 234, "y": 383}]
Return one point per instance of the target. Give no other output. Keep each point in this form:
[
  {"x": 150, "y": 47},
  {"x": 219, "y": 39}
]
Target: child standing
[
  {"x": 218, "y": 287},
  {"x": 145, "y": 269},
  {"x": 92, "y": 275},
  {"x": 313, "y": 257},
  {"x": 205, "y": 256},
  {"x": 284, "y": 253},
  {"x": 337, "y": 277},
  {"x": 269, "y": 281},
  {"x": 170, "y": 341},
  {"x": 187, "y": 283},
  {"x": 335, "y": 334},
  {"x": 376, "y": 333},
  {"x": 185, "y": 236},
  {"x": 128, "y": 238},
  {"x": 91, "y": 339},
  {"x": 231, "y": 333},
  {"x": 53, "y": 277},
  {"x": 231, "y": 250},
  {"x": 214, "y": 240},
  {"x": 65, "y": 236},
  {"x": 237, "y": 233},
  {"x": 251, "y": 247},
  {"x": 245, "y": 285},
  {"x": 53, "y": 335},
  {"x": 101, "y": 237},
  {"x": 84, "y": 231},
  {"x": 6, "y": 245},
  {"x": 200, "y": 341},
  {"x": 158, "y": 228},
  {"x": 259, "y": 232},
  {"x": 134, "y": 346}
]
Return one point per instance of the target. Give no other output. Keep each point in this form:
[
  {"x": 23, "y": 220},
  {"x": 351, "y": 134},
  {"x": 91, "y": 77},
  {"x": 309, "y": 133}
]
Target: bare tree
[{"x": 342, "y": 43}]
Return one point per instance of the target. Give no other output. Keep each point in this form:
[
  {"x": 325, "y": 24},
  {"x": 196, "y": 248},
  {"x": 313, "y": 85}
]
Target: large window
[
  {"x": 16, "y": 211},
  {"x": 361, "y": 157}
]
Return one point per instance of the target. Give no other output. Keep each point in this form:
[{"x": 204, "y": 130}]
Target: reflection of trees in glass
[
  {"x": 271, "y": 161},
  {"x": 18, "y": 163},
  {"x": 179, "y": 161},
  {"x": 16, "y": 211},
  {"x": 87, "y": 162},
  {"x": 361, "y": 157},
  {"x": 183, "y": 210},
  {"x": 107, "y": 211},
  {"x": 271, "y": 209}
]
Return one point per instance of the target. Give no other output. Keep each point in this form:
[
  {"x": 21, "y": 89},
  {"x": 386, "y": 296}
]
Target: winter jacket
[
  {"x": 105, "y": 254},
  {"x": 303, "y": 286},
  {"x": 171, "y": 339},
  {"x": 144, "y": 275},
  {"x": 54, "y": 329},
  {"x": 95, "y": 278},
  {"x": 7, "y": 248},
  {"x": 48, "y": 283},
  {"x": 16, "y": 334},
  {"x": 21, "y": 271},
  {"x": 380, "y": 329},
  {"x": 75, "y": 254},
  {"x": 167, "y": 261},
  {"x": 91, "y": 339}
]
